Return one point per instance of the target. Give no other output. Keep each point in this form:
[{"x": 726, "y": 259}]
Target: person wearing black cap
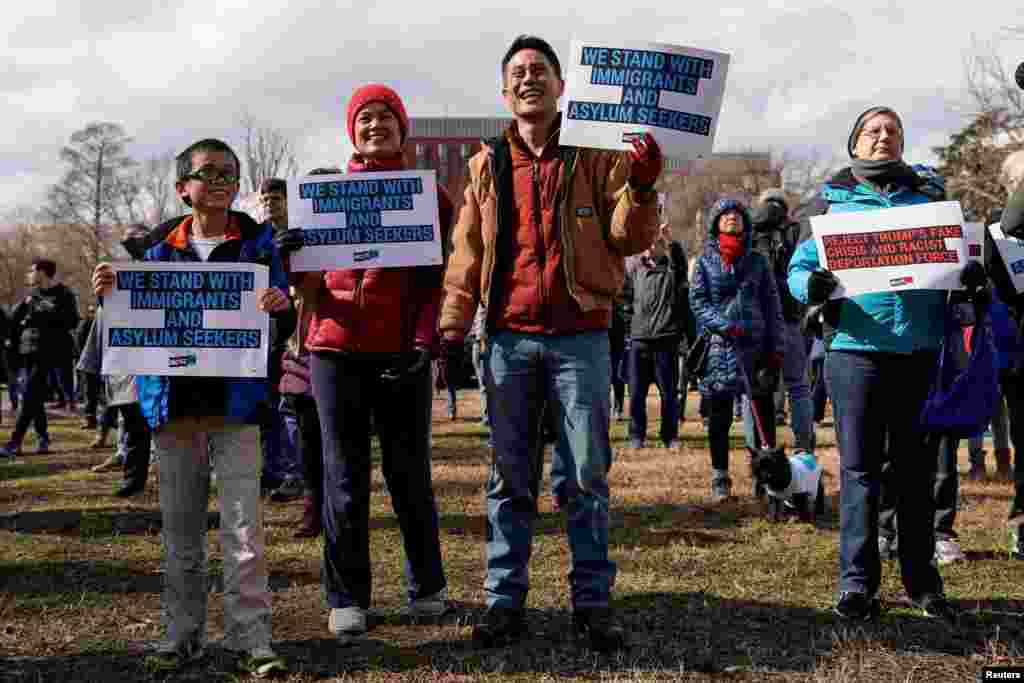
[{"x": 882, "y": 352}]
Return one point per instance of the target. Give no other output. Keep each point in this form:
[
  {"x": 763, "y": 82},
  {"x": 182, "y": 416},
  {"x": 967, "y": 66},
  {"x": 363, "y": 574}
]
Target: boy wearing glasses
[{"x": 194, "y": 418}]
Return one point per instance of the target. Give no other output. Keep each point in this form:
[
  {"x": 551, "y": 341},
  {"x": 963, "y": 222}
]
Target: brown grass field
[{"x": 706, "y": 592}]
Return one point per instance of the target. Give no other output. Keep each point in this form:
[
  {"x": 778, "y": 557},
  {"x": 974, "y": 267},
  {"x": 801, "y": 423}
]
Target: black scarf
[{"x": 886, "y": 173}]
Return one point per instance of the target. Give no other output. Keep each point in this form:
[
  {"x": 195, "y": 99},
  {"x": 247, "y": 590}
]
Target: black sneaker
[
  {"x": 858, "y": 607},
  {"x": 597, "y": 624},
  {"x": 501, "y": 626},
  {"x": 937, "y": 606}
]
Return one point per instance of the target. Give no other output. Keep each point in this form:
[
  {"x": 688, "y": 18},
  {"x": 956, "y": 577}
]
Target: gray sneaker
[
  {"x": 948, "y": 552},
  {"x": 721, "y": 488},
  {"x": 347, "y": 623},
  {"x": 429, "y": 606}
]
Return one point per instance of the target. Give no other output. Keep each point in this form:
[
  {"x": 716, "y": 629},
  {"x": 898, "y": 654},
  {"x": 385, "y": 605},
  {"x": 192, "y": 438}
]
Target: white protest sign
[
  {"x": 974, "y": 238},
  {"x": 186, "y": 319},
  {"x": 1012, "y": 251},
  {"x": 365, "y": 220},
  {"x": 910, "y": 247},
  {"x": 617, "y": 91}
]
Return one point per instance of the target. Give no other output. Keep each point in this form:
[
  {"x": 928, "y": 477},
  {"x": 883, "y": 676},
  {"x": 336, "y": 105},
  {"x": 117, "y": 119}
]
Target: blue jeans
[
  {"x": 573, "y": 374},
  {"x": 656, "y": 361},
  {"x": 794, "y": 376},
  {"x": 875, "y": 395}
]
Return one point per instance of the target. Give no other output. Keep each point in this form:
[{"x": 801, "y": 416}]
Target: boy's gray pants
[{"x": 185, "y": 449}]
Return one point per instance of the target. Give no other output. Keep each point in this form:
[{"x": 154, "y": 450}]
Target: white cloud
[{"x": 174, "y": 71}]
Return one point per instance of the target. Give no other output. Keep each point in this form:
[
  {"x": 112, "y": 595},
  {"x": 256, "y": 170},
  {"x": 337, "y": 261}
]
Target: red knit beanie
[{"x": 376, "y": 92}]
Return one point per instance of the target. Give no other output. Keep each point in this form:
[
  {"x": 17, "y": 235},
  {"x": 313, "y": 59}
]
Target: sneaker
[
  {"x": 672, "y": 445},
  {"x": 501, "y": 626},
  {"x": 108, "y": 465},
  {"x": 1017, "y": 543},
  {"x": 948, "y": 552},
  {"x": 429, "y": 606},
  {"x": 937, "y": 606},
  {"x": 347, "y": 623},
  {"x": 262, "y": 662},
  {"x": 290, "y": 489},
  {"x": 43, "y": 448},
  {"x": 721, "y": 489},
  {"x": 597, "y": 624},
  {"x": 10, "y": 451},
  {"x": 1016, "y": 516},
  {"x": 858, "y": 607},
  {"x": 169, "y": 657},
  {"x": 887, "y": 549}
]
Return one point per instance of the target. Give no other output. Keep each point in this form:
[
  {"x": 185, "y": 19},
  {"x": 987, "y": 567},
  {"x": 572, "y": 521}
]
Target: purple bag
[{"x": 961, "y": 403}]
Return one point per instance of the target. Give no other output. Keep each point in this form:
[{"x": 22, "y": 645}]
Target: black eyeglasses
[{"x": 212, "y": 175}]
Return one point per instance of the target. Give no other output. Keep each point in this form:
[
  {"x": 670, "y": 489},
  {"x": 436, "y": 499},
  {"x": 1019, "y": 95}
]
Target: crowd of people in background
[{"x": 563, "y": 275}]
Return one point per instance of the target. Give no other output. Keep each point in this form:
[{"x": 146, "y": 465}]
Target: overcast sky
[{"x": 173, "y": 71}]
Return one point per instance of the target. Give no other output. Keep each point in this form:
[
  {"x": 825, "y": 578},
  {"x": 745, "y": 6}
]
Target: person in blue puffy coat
[
  {"x": 882, "y": 351},
  {"x": 733, "y": 296}
]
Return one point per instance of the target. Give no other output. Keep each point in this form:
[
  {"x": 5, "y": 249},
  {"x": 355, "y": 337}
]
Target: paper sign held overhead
[
  {"x": 615, "y": 92},
  {"x": 365, "y": 220},
  {"x": 186, "y": 319},
  {"x": 912, "y": 247}
]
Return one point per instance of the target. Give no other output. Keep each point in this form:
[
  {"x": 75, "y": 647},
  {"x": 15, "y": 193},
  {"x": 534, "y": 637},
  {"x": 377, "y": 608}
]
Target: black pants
[
  {"x": 945, "y": 492},
  {"x": 348, "y": 389},
  {"x": 32, "y": 409},
  {"x": 310, "y": 443},
  {"x": 720, "y": 416},
  {"x": 92, "y": 384},
  {"x": 617, "y": 345},
  {"x": 138, "y": 441}
]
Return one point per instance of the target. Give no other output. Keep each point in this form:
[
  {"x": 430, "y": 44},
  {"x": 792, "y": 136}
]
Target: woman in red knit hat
[{"x": 371, "y": 338}]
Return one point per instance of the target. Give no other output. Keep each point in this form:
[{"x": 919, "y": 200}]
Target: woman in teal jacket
[{"x": 882, "y": 353}]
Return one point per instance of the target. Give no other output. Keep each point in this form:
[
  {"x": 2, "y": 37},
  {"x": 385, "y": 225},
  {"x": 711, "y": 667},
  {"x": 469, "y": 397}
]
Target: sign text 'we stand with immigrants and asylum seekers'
[
  {"x": 912, "y": 247},
  {"x": 365, "y": 220},
  {"x": 191, "y": 319},
  {"x": 614, "y": 93}
]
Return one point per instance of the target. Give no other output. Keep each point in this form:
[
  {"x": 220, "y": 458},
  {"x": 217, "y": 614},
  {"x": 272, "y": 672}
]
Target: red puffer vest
[{"x": 380, "y": 310}]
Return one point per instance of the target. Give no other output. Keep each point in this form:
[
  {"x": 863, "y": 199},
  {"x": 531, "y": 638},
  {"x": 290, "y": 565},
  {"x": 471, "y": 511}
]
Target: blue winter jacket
[
  {"x": 237, "y": 400},
  {"x": 892, "y": 322},
  {"x": 745, "y": 295}
]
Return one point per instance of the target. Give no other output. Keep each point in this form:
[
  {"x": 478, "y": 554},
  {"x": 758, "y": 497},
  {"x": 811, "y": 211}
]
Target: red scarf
[
  {"x": 359, "y": 164},
  {"x": 730, "y": 247}
]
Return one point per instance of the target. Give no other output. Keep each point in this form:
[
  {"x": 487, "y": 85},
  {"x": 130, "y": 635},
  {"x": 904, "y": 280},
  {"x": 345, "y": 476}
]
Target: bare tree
[
  {"x": 803, "y": 175},
  {"x": 91, "y": 196},
  {"x": 155, "y": 183},
  {"x": 268, "y": 152},
  {"x": 994, "y": 113}
]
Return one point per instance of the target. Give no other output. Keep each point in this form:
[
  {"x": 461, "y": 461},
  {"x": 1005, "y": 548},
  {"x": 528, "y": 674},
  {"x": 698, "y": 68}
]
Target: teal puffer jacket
[{"x": 890, "y": 322}]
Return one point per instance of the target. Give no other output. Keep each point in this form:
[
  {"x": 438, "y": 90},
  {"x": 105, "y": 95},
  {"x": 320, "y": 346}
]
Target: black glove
[
  {"x": 416, "y": 361},
  {"x": 290, "y": 240},
  {"x": 973, "y": 275},
  {"x": 451, "y": 357},
  {"x": 820, "y": 286}
]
